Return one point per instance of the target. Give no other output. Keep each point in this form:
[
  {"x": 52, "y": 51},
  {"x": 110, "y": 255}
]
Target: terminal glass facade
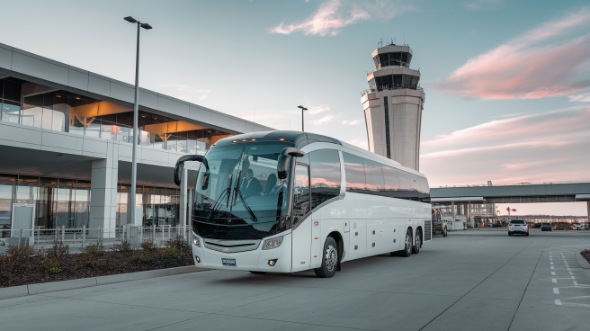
[{"x": 66, "y": 202}]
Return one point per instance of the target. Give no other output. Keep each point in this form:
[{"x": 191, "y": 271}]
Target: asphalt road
[{"x": 472, "y": 280}]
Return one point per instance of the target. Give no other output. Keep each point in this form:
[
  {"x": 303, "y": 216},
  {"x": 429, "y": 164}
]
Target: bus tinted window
[
  {"x": 355, "y": 173},
  {"x": 325, "y": 176},
  {"x": 391, "y": 181},
  {"x": 374, "y": 175}
]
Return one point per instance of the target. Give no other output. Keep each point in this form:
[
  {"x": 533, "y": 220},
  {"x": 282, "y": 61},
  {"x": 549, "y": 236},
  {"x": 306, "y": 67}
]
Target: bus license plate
[{"x": 228, "y": 262}]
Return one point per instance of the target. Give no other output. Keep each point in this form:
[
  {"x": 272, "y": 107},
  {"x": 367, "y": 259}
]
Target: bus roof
[
  {"x": 301, "y": 139},
  {"x": 297, "y": 138}
]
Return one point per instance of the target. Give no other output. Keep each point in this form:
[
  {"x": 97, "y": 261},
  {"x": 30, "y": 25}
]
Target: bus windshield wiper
[
  {"x": 224, "y": 195},
  {"x": 252, "y": 215}
]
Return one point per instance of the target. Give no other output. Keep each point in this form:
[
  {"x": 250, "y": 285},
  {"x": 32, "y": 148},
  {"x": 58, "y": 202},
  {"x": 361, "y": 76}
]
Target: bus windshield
[{"x": 237, "y": 192}]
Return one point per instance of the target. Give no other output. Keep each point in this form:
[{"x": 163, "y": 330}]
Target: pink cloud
[
  {"x": 533, "y": 65},
  {"x": 548, "y": 147},
  {"x": 334, "y": 15}
]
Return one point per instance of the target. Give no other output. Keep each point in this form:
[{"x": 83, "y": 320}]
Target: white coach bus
[{"x": 288, "y": 201}]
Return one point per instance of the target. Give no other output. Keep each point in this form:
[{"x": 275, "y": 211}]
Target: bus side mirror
[
  {"x": 180, "y": 165},
  {"x": 283, "y": 161},
  {"x": 282, "y": 166}
]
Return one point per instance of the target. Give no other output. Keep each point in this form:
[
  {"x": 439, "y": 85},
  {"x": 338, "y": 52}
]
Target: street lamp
[
  {"x": 133, "y": 189},
  {"x": 302, "y": 110}
]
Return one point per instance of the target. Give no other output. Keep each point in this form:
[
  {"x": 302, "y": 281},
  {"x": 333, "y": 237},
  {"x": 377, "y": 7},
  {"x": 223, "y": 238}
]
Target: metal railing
[{"x": 78, "y": 238}]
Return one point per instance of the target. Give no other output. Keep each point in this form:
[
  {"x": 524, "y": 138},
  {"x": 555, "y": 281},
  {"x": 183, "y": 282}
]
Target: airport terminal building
[{"x": 65, "y": 146}]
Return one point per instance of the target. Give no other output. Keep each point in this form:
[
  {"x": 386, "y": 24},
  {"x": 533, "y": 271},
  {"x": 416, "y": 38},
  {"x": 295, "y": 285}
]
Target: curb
[{"x": 32, "y": 289}]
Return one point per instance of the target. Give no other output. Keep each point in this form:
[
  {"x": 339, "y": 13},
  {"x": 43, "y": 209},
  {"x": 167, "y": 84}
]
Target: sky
[{"x": 507, "y": 82}]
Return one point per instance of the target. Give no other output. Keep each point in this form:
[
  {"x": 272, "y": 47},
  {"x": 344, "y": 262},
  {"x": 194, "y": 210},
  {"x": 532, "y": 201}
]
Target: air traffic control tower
[{"x": 393, "y": 106}]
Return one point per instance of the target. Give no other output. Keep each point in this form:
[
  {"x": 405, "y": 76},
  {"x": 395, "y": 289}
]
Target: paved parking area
[{"x": 471, "y": 280}]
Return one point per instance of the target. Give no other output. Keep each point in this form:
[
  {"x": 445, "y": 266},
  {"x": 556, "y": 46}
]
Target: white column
[{"x": 103, "y": 202}]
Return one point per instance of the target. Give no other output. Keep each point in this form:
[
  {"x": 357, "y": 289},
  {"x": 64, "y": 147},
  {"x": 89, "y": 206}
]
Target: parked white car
[{"x": 518, "y": 227}]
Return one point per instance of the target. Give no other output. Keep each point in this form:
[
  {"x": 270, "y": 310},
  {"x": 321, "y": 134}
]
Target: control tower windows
[
  {"x": 392, "y": 82},
  {"x": 392, "y": 59}
]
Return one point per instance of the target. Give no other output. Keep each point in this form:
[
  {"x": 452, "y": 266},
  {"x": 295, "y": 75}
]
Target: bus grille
[
  {"x": 427, "y": 230},
  {"x": 231, "y": 246}
]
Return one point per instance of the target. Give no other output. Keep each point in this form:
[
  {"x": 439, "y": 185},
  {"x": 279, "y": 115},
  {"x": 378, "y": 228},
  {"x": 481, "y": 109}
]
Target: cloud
[
  {"x": 536, "y": 148},
  {"x": 585, "y": 97},
  {"x": 350, "y": 122},
  {"x": 550, "y": 60},
  {"x": 185, "y": 92},
  {"x": 334, "y": 15}
]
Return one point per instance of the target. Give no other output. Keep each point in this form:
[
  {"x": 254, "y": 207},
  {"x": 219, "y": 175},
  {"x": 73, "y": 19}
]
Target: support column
[
  {"x": 588, "y": 210},
  {"x": 103, "y": 188},
  {"x": 467, "y": 207}
]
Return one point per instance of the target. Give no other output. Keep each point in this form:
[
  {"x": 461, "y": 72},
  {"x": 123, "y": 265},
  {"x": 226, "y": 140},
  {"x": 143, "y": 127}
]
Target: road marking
[
  {"x": 552, "y": 268},
  {"x": 554, "y": 281},
  {"x": 557, "y": 302},
  {"x": 552, "y": 273},
  {"x": 555, "y": 290}
]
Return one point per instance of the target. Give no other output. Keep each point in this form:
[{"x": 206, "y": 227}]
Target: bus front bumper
[{"x": 269, "y": 260}]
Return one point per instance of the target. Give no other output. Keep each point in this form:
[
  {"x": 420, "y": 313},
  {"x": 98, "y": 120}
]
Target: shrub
[
  {"x": 141, "y": 256},
  {"x": 58, "y": 251},
  {"x": 148, "y": 246},
  {"x": 17, "y": 257},
  {"x": 124, "y": 246},
  {"x": 51, "y": 266},
  {"x": 178, "y": 242},
  {"x": 93, "y": 250},
  {"x": 170, "y": 254}
]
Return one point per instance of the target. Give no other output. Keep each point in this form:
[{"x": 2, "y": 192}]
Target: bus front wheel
[{"x": 329, "y": 259}]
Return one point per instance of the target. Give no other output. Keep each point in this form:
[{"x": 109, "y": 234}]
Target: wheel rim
[
  {"x": 331, "y": 258},
  {"x": 408, "y": 242},
  {"x": 418, "y": 241}
]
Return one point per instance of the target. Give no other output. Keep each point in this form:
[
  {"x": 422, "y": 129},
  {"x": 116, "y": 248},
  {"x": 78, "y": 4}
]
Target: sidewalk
[{"x": 31, "y": 289}]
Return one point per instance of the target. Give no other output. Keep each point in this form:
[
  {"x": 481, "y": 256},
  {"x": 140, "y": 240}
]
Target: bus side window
[
  {"x": 300, "y": 192},
  {"x": 325, "y": 176}
]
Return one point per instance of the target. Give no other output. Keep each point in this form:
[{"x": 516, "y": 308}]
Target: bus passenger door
[{"x": 301, "y": 237}]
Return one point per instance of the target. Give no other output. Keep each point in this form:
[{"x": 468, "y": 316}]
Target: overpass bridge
[{"x": 522, "y": 193}]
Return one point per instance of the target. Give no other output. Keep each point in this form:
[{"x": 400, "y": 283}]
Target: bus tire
[
  {"x": 329, "y": 259},
  {"x": 407, "y": 251},
  {"x": 417, "y": 243}
]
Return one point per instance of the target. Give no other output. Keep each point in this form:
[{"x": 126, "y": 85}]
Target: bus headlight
[
  {"x": 196, "y": 241},
  {"x": 272, "y": 243}
]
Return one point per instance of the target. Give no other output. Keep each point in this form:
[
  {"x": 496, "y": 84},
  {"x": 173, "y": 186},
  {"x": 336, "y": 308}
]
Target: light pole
[
  {"x": 132, "y": 191},
  {"x": 302, "y": 110}
]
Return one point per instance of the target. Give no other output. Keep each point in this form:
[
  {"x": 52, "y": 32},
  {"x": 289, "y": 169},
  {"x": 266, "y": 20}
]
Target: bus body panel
[
  {"x": 254, "y": 260},
  {"x": 364, "y": 214},
  {"x": 301, "y": 246}
]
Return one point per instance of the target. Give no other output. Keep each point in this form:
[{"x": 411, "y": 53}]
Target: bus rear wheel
[
  {"x": 329, "y": 259},
  {"x": 407, "y": 251},
  {"x": 417, "y": 243}
]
